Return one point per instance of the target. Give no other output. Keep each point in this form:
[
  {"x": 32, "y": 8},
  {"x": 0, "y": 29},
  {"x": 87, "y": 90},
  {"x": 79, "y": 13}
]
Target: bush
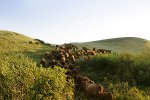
[
  {"x": 118, "y": 68},
  {"x": 48, "y": 44},
  {"x": 30, "y": 42},
  {"x": 122, "y": 91},
  {"x": 52, "y": 84},
  {"x": 21, "y": 79},
  {"x": 128, "y": 74},
  {"x": 40, "y": 41}
]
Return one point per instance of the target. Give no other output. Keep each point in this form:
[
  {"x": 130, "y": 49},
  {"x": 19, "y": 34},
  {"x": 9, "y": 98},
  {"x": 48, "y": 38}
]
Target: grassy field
[
  {"x": 126, "y": 44},
  {"x": 125, "y": 74}
]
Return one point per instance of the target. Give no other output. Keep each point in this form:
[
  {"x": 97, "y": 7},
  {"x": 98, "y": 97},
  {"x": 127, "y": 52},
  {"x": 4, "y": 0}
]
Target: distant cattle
[{"x": 66, "y": 56}]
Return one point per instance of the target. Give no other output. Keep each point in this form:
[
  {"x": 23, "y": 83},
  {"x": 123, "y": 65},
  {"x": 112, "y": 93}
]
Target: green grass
[
  {"x": 15, "y": 42},
  {"x": 20, "y": 78},
  {"x": 126, "y": 44},
  {"x": 119, "y": 67},
  {"x": 114, "y": 71},
  {"x": 127, "y": 75},
  {"x": 11, "y": 41}
]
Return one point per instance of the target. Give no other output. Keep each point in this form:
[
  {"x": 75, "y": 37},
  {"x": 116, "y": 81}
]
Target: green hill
[
  {"x": 125, "y": 75},
  {"x": 124, "y": 44},
  {"x": 16, "y": 42},
  {"x": 12, "y": 41}
]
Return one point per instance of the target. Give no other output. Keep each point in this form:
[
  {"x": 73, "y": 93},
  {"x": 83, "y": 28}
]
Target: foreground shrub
[
  {"x": 52, "y": 84},
  {"x": 21, "y": 79}
]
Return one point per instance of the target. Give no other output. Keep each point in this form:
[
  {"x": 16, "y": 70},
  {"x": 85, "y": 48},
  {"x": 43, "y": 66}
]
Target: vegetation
[
  {"x": 126, "y": 75},
  {"x": 15, "y": 42},
  {"x": 20, "y": 78}
]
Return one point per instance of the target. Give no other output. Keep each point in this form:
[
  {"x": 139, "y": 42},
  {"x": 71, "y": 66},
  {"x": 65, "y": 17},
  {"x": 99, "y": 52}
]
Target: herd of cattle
[{"x": 66, "y": 56}]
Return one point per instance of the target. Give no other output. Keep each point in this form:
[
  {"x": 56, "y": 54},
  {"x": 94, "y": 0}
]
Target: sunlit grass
[
  {"x": 127, "y": 44},
  {"x": 117, "y": 68}
]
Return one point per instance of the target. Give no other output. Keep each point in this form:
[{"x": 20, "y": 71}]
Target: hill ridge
[
  {"x": 120, "y": 44},
  {"x": 16, "y": 41},
  {"x": 13, "y": 41}
]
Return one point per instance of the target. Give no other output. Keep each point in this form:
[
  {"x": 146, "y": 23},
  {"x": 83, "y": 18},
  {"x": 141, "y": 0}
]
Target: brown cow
[
  {"x": 92, "y": 89},
  {"x": 43, "y": 62},
  {"x": 105, "y": 96}
]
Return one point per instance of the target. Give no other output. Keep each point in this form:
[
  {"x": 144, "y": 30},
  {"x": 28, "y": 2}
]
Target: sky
[{"x": 64, "y": 21}]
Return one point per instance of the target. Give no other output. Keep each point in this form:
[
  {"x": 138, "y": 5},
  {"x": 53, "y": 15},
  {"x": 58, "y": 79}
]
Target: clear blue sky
[{"x": 61, "y": 21}]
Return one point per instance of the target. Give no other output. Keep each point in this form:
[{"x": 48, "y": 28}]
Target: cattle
[
  {"x": 75, "y": 71},
  {"x": 65, "y": 56},
  {"x": 92, "y": 89},
  {"x": 43, "y": 62},
  {"x": 94, "y": 49},
  {"x": 105, "y": 96},
  {"x": 57, "y": 47}
]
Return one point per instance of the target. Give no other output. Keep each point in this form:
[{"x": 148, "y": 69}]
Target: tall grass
[
  {"x": 133, "y": 68},
  {"x": 113, "y": 70}
]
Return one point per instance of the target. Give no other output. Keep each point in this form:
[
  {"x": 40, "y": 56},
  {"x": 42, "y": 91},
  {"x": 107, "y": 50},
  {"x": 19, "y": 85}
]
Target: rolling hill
[
  {"x": 126, "y": 75},
  {"x": 123, "y": 44},
  {"x": 16, "y": 42}
]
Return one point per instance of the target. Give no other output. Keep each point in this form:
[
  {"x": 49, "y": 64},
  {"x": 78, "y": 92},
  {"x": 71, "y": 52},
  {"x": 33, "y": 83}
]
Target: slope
[
  {"x": 124, "y": 44},
  {"x": 16, "y": 42}
]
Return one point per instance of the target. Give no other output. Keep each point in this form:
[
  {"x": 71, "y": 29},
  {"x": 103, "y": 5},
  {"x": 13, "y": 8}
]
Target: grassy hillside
[
  {"x": 12, "y": 41},
  {"x": 21, "y": 78},
  {"x": 126, "y": 44},
  {"x": 15, "y": 42}
]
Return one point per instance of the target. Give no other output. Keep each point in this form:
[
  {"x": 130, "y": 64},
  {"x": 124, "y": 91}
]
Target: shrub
[
  {"x": 52, "y": 84},
  {"x": 21, "y": 79},
  {"x": 122, "y": 91},
  {"x": 40, "y": 41},
  {"x": 30, "y": 42},
  {"x": 48, "y": 44}
]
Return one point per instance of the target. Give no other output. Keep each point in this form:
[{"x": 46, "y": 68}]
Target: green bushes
[
  {"x": 52, "y": 84},
  {"x": 119, "y": 68},
  {"x": 40, "y": 41},
  {"x": 20, "y": 78},
  {"x": 122, "y": 91}
]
